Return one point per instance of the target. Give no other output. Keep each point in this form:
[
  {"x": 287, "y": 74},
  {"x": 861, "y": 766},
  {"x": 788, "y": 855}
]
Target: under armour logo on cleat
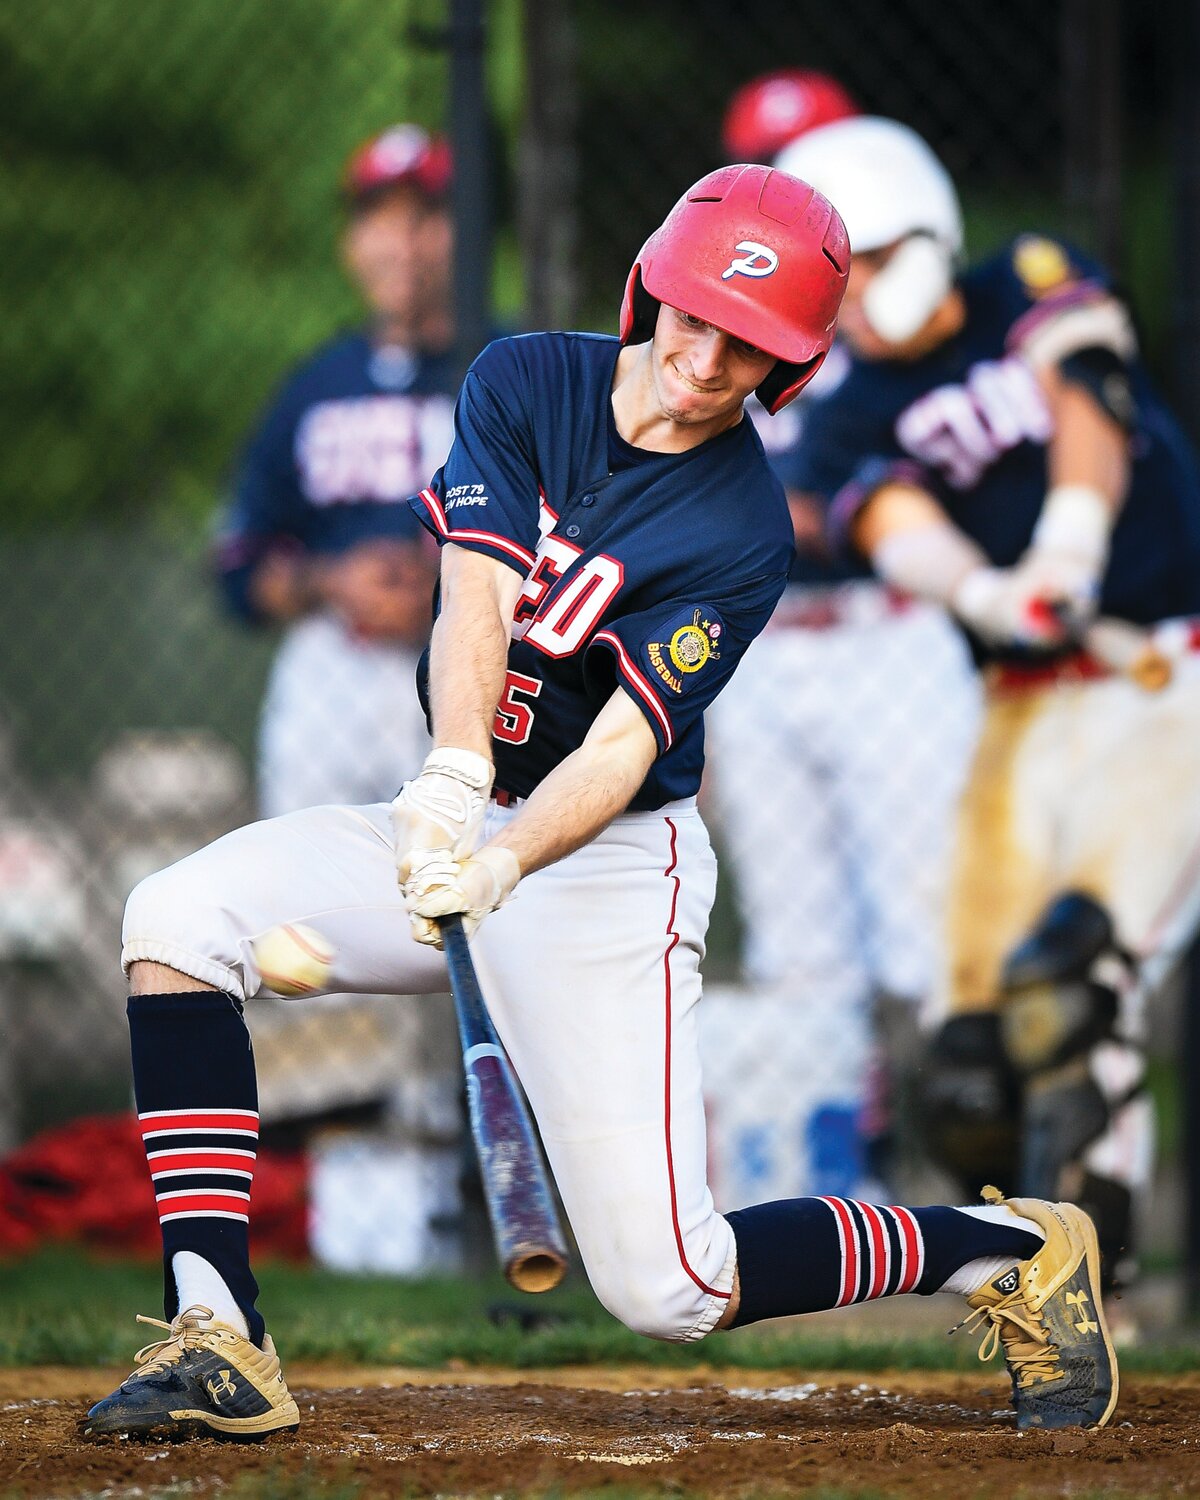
[
  {"x": 225, "y": 1387},
  {"x": 1080, "y": 1301},
  {"x": 1008, "y": 1282}
]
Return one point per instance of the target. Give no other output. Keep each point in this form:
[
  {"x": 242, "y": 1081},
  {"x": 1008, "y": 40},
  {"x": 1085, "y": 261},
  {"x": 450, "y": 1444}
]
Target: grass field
[{"x": 65, "y": 1308}]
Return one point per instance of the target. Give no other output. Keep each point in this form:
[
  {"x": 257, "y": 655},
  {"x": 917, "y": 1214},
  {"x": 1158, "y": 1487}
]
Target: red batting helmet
[
  {"x": 773, "y": 109},
  {"x": 756, "y": 253},
  {"x": 402, "y": 154}
]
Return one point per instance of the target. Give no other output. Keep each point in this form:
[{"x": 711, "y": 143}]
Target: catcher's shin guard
[
  {"x": 1053, "y": 1013},
  {"x": 970, "y": 1099},
  {"x": 1059, "y": 1024}
]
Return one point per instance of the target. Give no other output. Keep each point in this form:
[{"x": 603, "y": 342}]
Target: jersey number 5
[{"x": 514, "y": 717}]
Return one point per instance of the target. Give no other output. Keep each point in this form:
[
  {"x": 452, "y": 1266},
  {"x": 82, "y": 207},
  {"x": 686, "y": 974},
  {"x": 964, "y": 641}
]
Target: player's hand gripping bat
[{"x": 529, "y": 1239}]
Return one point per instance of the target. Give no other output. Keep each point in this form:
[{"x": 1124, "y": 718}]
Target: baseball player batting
[
  {"x": 613, "y": 539},
  {"x": 998, "y": 447}
]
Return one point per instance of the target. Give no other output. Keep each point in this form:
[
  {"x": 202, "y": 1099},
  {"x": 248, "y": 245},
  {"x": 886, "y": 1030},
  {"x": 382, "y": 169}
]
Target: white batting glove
[
  {"x": 440, "y": 886},
  {"x": 1053, "y": 591},
  {"x": 1009, "y": 607},
  {"x": 441, "y": 809}
]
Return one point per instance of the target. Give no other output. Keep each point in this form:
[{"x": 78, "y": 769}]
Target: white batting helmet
[{"x": 889, "y": 187}]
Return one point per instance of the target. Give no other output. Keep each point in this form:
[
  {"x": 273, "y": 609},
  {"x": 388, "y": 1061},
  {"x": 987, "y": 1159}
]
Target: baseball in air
[{"x": 293, "y": 959}]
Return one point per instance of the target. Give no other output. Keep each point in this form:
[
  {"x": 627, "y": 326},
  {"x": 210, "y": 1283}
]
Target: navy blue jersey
[
  {"x": 650, "y": 571},
  {"x": 969, "y": 423},
  {"x": 353, "y": 433}
]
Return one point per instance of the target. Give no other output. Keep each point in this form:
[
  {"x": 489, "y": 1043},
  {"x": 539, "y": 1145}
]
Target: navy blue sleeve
[
  {"x": 486, "y": 497},
  {"x": 264, "y": 509},
  {"x": 675, "y": 658}
]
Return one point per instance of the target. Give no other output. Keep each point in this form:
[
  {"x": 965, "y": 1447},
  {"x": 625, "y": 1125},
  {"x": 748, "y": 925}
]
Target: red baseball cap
[
  {"x": 773, "y": 109},
  {"x": 401, "y": 154}
]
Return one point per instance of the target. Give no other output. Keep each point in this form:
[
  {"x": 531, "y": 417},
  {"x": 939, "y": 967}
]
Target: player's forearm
[
  {"x": 468, "y": 654},
  {"x": 586, "y": 791},
  {"x": 913, "y": 545},
  {"x": 1088, "y": 447}
]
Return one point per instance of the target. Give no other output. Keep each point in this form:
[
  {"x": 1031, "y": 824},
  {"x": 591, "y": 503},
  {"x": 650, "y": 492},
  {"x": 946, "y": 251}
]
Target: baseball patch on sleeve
[
  {"x": 1041, "y": 264},
  {"x": 679, "y": 653}
]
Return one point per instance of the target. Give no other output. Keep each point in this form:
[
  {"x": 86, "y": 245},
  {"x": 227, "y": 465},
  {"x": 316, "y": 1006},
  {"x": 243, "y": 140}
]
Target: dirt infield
[{"x": 728, "y": 1433}]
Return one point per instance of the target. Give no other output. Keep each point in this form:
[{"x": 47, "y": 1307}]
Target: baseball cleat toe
[
  {"x": 1047, "y": 1317},
  {"x": 202, "y": 1380}
]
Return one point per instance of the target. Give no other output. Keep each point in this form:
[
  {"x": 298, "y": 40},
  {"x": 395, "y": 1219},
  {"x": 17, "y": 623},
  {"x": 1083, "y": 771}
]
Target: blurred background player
[
  {"x": 996, "y": 446},
  {"x": 318, "y": 536},
  {"x": 319, "y": 539},
  {"x": 839, "y": 750}
]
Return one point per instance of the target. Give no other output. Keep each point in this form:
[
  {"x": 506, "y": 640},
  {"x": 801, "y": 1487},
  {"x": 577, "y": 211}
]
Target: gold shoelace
[
  {"x": 1032, "y": 1358},
  {"x": 182, "y": 1334}
]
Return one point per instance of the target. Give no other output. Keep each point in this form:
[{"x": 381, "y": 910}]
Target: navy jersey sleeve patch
[
  {"x": 690, "y": 642},
  {"x": 673, "y": 661},
  {"x": 486, "y": 496},
  {"x": 1042, "y": 265}
]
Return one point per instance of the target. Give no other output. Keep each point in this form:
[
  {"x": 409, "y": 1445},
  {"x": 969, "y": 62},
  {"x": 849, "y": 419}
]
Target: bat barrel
[
  {"x": 530, "y": 1244},
  {"x": 540, "y": 1271}
]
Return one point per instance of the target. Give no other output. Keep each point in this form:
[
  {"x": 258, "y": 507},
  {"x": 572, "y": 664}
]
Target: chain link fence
[{"x": 175, "y": 231}]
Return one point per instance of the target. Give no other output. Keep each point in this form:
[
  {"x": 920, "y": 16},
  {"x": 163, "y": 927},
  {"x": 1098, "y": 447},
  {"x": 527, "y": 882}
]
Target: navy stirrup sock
[
  {"x": 808, "y": 1254},
  {"x": 197, "y": 1104}
]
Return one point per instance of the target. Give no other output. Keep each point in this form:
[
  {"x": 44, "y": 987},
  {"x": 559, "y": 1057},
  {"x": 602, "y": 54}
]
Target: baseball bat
[
  {"x": 1129, "y": 650},
  {"x": 530, "y": 1244}
]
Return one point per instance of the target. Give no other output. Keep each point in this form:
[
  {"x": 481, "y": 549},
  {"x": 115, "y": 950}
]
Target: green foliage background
[{"x": 168, "y": 199}]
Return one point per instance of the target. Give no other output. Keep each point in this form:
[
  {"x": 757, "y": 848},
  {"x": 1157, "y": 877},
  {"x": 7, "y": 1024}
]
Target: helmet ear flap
[
  {"x": 784, "y": 382},
  {"x": 639, "y": 313}
]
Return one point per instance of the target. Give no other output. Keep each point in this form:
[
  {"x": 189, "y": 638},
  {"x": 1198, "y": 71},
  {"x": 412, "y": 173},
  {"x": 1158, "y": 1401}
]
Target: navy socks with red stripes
[
  {"x": 197, "y": 1104},
  {"x": 808, "y": 1254}
]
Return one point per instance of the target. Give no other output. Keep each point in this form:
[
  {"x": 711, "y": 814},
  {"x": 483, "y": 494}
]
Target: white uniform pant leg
[
  {"x": 329, "y": 867},
  {"x": 1132, "y": 809},
  {"x": 592, "y": 976},
  {"x": 341, "y": 722}
]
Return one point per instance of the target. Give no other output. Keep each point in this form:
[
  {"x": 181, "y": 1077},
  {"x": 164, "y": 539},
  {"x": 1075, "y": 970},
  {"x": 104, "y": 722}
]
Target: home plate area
[{"x": 386, "y": 1432}]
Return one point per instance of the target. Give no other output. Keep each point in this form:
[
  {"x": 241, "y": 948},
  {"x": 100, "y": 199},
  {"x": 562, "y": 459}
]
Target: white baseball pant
[{"x": 592, "y": 975}]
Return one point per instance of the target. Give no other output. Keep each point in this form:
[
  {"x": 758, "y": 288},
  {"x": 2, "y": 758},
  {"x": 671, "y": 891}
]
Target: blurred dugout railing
[{"x": 169, "y": 183}]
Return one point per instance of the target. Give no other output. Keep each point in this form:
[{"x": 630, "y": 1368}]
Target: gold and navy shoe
[
  {"x": 203, "y": 1380},
  {"x": 1046, "y": 1315}
]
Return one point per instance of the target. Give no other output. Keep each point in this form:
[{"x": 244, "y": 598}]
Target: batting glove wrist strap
[
  {"x": 443, "y": 808},
  {"x": 472, "y": 770}
]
